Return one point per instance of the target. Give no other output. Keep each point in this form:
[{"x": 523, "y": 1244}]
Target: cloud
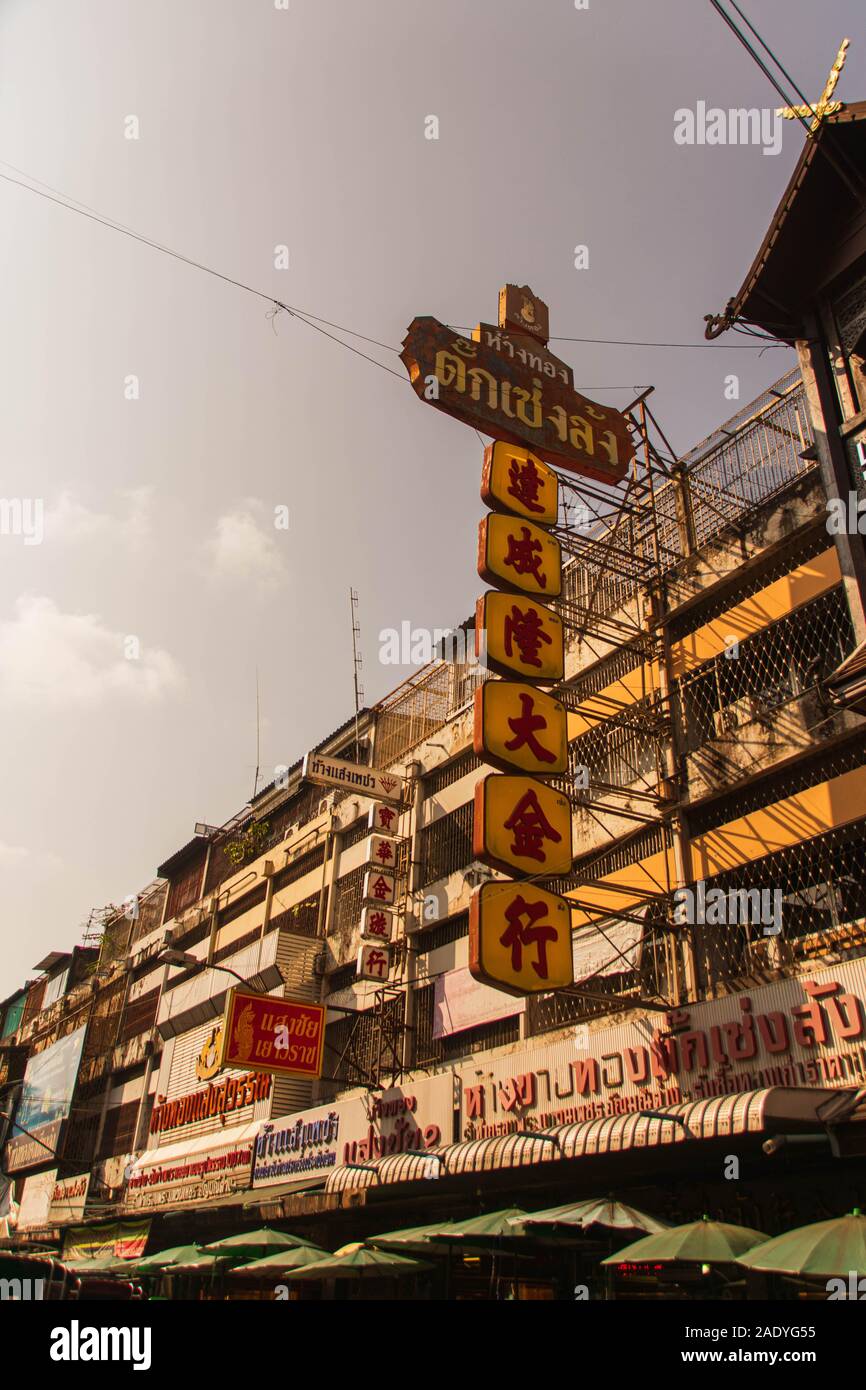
[
  {"x": 244, "y": 547},
  {"x": 11, "y": 854},
  {"x": 53, "y": 659},
  {"x": 70, "y": 521}
]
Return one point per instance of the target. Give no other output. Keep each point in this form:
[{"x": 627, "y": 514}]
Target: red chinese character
[
  {"x": 381, "y": 889},
  {"x": 519, "y": 934},
  {"x": 384, "y": 851},
  {"x": 386, "y": 816},
  {"x": 524, "y": 483},
  {"x": 524, "y": 726},
  {"x": 377, "y": 923},
  {"x": 531, "y": 827},
  {"x": 526, "y": 632},
  {"x": 377, "y": 962},
  {"x": 524, "y": 556}
]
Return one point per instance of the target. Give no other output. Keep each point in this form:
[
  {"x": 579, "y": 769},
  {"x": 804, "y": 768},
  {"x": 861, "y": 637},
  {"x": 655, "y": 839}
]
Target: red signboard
[{"x": 281, "y": 1036}]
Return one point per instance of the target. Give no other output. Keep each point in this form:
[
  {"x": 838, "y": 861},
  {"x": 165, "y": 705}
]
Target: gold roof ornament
[{"x": 823, "y": 106}]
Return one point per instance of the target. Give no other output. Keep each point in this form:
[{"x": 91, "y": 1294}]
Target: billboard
[
  {"x": 46, "y": 1100},
  {"x": 283, "y": 1036}
]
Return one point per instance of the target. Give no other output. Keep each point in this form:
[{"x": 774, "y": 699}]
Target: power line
[{"x": 314, "y": 321}]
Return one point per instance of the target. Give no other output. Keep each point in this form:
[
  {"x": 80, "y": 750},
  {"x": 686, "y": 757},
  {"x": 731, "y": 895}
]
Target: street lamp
[{"x": 169, "y": 956}]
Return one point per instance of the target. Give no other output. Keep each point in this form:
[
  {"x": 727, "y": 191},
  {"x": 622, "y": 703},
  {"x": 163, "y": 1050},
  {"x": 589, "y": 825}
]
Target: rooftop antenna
[
  {"x": 356, "y": 667},
  {"x": 258, "y": 737}
]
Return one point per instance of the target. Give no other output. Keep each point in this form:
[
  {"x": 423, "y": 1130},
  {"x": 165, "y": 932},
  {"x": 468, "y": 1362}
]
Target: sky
[{"x": 211, "y": 478}]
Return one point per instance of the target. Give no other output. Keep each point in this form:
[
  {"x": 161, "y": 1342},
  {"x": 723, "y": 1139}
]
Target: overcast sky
[{"x": 260, "y": 127}]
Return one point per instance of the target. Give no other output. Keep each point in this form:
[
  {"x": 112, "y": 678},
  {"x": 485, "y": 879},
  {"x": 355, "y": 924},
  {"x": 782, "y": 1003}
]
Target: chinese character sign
[
  {"x": 523, "y": 638},
  {"x": 376, "y": 924},
  {"x": 522, "y": 826},
  {"x": 519, "y": 728},
  {"x": 513, "y": 480},
  {"x": 382, "y": 851},
  {"x": 384, "y": 818},
  {"x": 379, "y": 887},
  {"x": 518, "y": 555},
  {"x": 520, "y": 938},
  {"x": 374, "y": 962}
]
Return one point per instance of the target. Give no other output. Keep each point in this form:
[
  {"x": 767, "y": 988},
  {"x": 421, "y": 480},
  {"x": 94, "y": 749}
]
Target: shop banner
[
  {"x": 189, "y": 1176},
  {"x": 415, "y": 1118},
  {"x": 36, "y": 1201},
  {"x": 121, "y": 1240},
  {"x": 459, "y": 1002},
  {"x": 46, "y": 1099},
  {"x": 68, "y": 1199},
  {"x": 809, "y": 1031}
]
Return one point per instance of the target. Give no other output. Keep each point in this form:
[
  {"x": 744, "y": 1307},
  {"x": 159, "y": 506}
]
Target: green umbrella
[
  {"x": 357, "y": 1261},
  {"x": 596, "y": 1211},
  {"x": 283, "y": 1260},
  {"x": 203, "y": 1263},
  {"x": 412, "y": 1237},
  {"x": 152, "y": 1264},
  {"x": 823, "y": 1250},
  {"x": 698, "y": 1242},
  {"x": 257, "y": 1244},
  {"x": 493, "y": 1225}
]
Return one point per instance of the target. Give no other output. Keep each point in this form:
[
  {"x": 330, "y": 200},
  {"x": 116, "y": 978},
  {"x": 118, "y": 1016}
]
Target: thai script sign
[
  {"x": 232, "y": 1093},
  {"x": 197, "y": 1177},
  {"x": 68, "y": 1199},
  {"x": 516, "y": 402},
  {"x": 357, "y": 1130},
  {"x": 283, "y": 1036},
  {"x": 334, "y": 772},
  {"x": 804, "y": 1032}
]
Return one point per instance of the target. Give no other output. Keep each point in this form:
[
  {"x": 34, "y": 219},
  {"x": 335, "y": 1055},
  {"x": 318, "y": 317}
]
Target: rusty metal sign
[{"x": 515, "y": 401}]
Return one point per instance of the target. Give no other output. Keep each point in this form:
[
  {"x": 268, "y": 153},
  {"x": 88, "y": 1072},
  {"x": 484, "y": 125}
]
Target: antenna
[
  {"x": 258, "y": 737},
  {"x": 356, "y": 667}
]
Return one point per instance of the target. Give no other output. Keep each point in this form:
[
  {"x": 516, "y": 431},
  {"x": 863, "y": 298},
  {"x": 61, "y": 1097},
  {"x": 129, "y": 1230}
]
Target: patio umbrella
[
  {"x": 493, "y": 1225},
  {"x": 412, "y": 1238},
  {"x": 358, "y": 1261},
  {"x": 152, "y": 1264},
  {"x": 257, "y": 1244},
  {"x": 596, "y": 1211},
  {"x": 697, "y": 1242},
  {"x": 203, "y": 1263},
  {"x": 106, "y": 1264},
  {"x": 823, "y": 1250},
  {"x": 282, "y": 1261}
]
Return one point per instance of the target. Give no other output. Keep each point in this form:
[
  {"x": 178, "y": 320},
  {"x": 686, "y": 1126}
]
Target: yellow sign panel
[
  {"x": 515, "y": 480},
  {"x": 520, "y": 938},
  {"x": 522, "y": 638},
  {"x": 522, "y": 826},
  {"x": 517, "y": 727},
  {"x": 518, "y": 555}
]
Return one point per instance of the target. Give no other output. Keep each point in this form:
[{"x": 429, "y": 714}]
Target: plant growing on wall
[{"x": 248, "y": 844}]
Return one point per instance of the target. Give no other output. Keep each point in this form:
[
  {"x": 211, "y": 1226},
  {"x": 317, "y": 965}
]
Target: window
[{"x": 55, "y": 987}]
